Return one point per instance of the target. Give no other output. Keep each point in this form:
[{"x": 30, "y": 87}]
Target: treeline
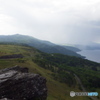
[
  {"x": 58, "y": 73},
  {"x": 69, "y": 60},
  {"x": 63, "y": 68}
]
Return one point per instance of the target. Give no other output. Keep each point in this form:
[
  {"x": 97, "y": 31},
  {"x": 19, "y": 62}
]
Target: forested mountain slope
[{"x": 44, "y": 46}]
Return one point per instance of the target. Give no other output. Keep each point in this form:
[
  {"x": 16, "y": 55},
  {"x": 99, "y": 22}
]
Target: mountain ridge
[{"x": 44, "y": 46}]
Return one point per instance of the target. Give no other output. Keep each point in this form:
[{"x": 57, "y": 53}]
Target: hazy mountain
[
  {"x": 92, "y": 46},
  {"x": 72, "y": 48},
  {"x": 44, "y": 46}
]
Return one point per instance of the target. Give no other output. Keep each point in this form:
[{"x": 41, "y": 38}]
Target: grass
[{"x": 56, "y": 90}]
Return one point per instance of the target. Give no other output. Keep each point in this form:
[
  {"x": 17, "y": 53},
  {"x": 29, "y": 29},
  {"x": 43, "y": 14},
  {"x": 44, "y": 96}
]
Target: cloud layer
[{"x": 59, "y": 21}]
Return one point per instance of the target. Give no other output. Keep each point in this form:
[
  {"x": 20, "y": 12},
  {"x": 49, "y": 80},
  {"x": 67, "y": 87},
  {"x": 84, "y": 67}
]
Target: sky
[{"x": 58, "y": 21}]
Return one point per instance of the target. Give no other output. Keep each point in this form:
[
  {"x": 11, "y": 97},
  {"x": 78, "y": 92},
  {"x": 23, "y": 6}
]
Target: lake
[{"x": 93, "y": 55}]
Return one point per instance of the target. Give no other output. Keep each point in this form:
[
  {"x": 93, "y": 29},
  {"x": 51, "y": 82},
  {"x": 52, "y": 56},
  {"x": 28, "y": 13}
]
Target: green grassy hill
[
  {"x": 58, "y": 89},
  {"x": 44, "y": 46}
]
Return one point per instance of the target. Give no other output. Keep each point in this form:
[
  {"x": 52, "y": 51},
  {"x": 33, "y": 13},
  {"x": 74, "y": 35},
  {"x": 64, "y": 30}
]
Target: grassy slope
[{"x": 56, "y": 90}]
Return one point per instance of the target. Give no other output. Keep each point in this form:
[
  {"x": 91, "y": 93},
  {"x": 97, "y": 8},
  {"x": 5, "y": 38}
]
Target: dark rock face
[
  {"x": 17, "y": 84},
  {"x": 11, "y": 56}
]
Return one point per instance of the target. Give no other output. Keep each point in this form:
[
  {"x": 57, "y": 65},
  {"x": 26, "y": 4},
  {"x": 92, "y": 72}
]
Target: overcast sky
[{"x": 58, "y": 21}]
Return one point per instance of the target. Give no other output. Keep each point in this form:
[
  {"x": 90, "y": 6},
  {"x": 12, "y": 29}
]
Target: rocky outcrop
[
  {"x": 11, "y": 56},
  {"x": 17, "y": 84}
]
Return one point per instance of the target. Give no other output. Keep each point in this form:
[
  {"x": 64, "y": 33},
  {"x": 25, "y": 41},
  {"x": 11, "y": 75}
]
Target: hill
[
  {"x": 44, "y": 46},
  {"x": 71, "y": 48},
  {"x": 58, "y": 69}
]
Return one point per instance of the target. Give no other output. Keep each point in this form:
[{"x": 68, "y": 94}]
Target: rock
[
  {"x": 11, "y": 56},
  {"x": 5, "y": 99},
  {"x": 17, "y": 84}
]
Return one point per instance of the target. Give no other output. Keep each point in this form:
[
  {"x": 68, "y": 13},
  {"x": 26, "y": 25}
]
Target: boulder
[{"x": 17, "y": 84}]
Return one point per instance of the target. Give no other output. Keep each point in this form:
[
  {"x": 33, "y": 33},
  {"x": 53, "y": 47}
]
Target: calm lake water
[{"x": 93, "y": 55}]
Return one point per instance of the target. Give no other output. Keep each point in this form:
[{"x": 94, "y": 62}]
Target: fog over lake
[{"x": 93, "y": 55}]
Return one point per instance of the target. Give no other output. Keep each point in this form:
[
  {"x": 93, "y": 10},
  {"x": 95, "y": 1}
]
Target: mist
[{"x": 58, "y": 21}]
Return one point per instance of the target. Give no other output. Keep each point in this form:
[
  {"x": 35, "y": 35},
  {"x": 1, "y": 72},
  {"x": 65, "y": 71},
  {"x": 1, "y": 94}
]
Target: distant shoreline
[{"x": 92, "y": 55}]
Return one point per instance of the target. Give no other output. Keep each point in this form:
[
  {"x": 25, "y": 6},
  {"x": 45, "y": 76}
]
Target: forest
[{"x": 64, "y": 67}]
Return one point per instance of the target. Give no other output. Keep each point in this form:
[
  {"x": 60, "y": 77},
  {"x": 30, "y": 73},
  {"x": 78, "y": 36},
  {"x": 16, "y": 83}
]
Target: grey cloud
[{"x": 53, "y": 22}]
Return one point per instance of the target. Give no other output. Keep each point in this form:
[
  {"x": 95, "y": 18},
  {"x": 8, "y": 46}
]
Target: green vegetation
[
  {"x": 58, "y": 69},
  {"x": 44, "y": 46},
  {"x": 62, "y": 64},
  {"x": 64, "y": 67}
]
